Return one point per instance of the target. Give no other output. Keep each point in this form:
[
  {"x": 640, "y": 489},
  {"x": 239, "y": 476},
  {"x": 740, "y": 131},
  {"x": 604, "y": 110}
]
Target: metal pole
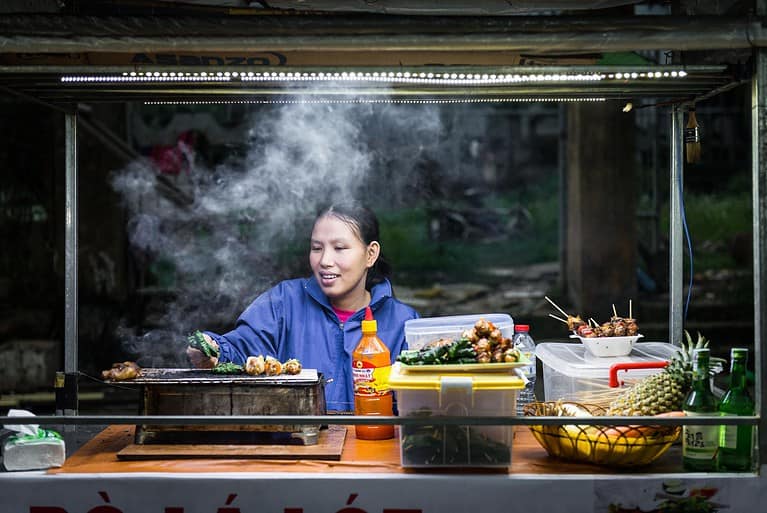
[
  {"x": 70, "y": 265},
  {"x": 759, "y": 236},
  {"x": 676, "y": 244},
  {"x": 542, "y": 34},
  {"x": 562, "y": 113},
  {"x": 759, "y": 202}
]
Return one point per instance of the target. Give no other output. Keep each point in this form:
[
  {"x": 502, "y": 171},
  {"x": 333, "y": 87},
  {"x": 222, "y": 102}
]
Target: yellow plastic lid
[{"x": 427, "y": 381}]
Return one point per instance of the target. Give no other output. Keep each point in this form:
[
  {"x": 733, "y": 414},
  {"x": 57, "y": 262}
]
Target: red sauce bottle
[{"x": 371, "y": 365}]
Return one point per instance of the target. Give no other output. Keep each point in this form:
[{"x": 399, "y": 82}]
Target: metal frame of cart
[{"x": 419, "y": 84}]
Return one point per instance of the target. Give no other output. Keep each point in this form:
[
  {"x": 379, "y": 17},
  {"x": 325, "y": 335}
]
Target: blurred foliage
[
  {"x": 713, "y": 221},
  {"x": 423, "y": 259}
]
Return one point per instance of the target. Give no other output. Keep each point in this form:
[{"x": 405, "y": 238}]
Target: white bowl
[{"x": 608, "y": 346}]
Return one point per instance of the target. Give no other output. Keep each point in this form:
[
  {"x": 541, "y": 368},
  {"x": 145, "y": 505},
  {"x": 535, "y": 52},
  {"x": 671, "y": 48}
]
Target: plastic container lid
[
  {"x": 419, "y": 332},
  {"x": 480, "y": 381},
  {"x": 457, "y": 323},
  {"x": 574, "y": 360}
]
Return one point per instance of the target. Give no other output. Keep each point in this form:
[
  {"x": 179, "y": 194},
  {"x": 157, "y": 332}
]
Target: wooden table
[
  {"x": 368, "y": 478},
  {"x": 528, "y": 457}
]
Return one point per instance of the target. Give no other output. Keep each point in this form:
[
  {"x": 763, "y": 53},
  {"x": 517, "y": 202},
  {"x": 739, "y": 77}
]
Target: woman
[{"x": 317, "y": 319}]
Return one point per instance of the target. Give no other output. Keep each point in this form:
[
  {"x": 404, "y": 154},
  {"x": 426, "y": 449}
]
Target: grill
[{"x": 202, "y": 392}]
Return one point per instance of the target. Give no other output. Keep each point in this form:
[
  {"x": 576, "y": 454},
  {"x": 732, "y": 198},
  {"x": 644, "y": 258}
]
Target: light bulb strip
[
  {"x": 375, "y": 100},
  {"x": 403, "y": 77}
]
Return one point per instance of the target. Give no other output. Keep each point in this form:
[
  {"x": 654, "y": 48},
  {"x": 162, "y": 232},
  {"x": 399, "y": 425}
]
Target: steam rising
[{"x": 211, "y": 234}]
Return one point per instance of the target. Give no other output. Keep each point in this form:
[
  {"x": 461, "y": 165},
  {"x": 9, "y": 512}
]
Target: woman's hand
[{"x": 199, "y": 359}]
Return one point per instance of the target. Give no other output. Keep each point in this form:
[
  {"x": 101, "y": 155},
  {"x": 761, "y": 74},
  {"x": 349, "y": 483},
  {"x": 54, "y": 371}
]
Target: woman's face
[{"x": 340, "y": 261}]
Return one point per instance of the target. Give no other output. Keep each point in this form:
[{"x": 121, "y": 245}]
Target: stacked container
[
  {"x": 572, "y": 373},
  {"x": 419, "y": 332},
  {"x": 460, "y": 394},
  {"x": 450, "y": 391}
]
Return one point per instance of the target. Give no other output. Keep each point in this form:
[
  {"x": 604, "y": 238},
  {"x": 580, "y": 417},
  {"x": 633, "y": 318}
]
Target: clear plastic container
[
  {"x": 572, "y": 373},
  {"x": 481, "y": 394},
  {"x": 419, "y": 332}
]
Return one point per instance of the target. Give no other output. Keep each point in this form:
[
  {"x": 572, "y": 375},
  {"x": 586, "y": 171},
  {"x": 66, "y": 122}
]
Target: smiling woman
[
  {"x": 345, "y": 256},
  {"x": 317, "y": 320}
]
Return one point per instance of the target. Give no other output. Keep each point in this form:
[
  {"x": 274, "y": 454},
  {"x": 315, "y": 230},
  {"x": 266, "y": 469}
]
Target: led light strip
[
  {"x": 388, "y": 77},
  {"x": 420, "y": 78},
  {"x": 377, "y": 100}
]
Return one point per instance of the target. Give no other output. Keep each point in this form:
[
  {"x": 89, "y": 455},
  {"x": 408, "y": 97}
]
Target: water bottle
[{"x": 525, "y": 343}]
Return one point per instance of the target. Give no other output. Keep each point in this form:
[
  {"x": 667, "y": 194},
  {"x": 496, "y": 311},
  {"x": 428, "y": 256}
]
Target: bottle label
[
  {"x": 370, "y": 380},
  {"x": 728, "y": 436},
  {"x": 700, "y": 442}
]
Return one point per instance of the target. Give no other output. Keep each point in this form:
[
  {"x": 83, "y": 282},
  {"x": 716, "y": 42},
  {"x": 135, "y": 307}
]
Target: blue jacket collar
[{"x": 378, "y": 293}]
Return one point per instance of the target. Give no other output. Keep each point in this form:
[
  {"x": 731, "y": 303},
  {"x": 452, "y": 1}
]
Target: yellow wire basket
[{"x": 615, "y": 446}]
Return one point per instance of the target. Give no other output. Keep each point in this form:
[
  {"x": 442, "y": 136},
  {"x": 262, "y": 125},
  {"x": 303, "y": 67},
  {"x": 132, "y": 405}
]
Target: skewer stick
[
  {"x": 555, "y": 306},
  {"x": 615, "y": 313},
  {"x": 596, "y": 324},
  {"x": 630, "y": 316},
  {"x": 557, "y": 318}
]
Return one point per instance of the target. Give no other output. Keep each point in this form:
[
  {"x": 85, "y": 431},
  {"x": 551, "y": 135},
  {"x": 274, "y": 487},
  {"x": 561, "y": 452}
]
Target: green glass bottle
[
  {"x": 736, "y": 442},
  {"x": 700, "y": 443}
]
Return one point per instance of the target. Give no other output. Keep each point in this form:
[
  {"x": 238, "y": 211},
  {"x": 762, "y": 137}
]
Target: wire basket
[{"x": 615, "y": 446}]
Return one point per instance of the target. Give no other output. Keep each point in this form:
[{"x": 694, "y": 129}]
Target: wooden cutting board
[{"x": 329, "y": 447}]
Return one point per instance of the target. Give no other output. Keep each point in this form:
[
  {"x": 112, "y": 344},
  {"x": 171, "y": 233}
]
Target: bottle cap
[
  {"x": 738, "y": 351},
  {"x": 701, "y": 355},
  {"x": 369, "y": 325},
  {"x": 521, "y": 327}
]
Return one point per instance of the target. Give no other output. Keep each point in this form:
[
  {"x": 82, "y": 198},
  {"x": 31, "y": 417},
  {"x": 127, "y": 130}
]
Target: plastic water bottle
[{"x": 525, "y": 343}]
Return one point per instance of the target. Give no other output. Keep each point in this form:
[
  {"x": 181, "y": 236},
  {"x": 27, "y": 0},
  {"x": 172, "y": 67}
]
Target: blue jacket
[{"x": 294, "y": 319}]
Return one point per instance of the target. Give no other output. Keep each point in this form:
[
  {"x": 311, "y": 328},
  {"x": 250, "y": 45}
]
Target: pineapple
[{"x": 666, "y": 390}]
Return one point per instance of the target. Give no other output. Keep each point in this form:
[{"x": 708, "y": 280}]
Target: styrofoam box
[
  {"x": 572, "y": 373},
  {"x": 481, "y": 394},
  {"x": 419, "y": 332}
]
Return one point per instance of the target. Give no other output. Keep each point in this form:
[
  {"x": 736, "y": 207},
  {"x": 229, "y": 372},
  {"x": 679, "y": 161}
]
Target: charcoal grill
[{"x": 203, "y": 392}]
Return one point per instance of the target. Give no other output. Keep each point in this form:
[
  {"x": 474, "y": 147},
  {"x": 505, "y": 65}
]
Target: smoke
[{"x": 215, "y": 236}]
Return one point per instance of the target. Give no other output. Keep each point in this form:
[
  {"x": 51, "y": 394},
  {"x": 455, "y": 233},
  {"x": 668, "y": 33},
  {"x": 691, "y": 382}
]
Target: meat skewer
[
  {"x": 616, "y": 327},
  {"x": 122, "y": 371},
  {"x": 573, "y": 322},
  {"x": 556, "y": 306},
  {"x": 557, "y": 318}
]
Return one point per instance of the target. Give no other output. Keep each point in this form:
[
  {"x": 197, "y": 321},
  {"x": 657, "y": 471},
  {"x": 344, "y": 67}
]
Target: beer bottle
[
  {"x": 736, "y": 442},
  {"x": 700, "y": 443}
]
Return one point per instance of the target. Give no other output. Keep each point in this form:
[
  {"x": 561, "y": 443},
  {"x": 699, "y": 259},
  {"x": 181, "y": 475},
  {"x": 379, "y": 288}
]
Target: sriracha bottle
[{"x": 371, "y": 365}]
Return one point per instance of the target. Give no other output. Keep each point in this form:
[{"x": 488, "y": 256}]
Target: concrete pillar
[{"x": 600, "y": 220}]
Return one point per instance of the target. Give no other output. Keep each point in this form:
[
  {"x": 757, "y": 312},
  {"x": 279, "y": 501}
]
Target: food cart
[{"x": 368, "y": 476}]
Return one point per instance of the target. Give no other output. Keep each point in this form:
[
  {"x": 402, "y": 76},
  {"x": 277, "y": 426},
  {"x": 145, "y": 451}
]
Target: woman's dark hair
[{"x": 365, "y": 223}]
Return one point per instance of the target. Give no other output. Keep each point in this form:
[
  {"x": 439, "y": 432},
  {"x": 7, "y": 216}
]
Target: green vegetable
[
  {"x": 409, "y": 357},
  {"x": 457, "y": 351},
  {"x": 458, "y": 346},
  {"x": 228, "y": 368},
  {"x": 451, "y": 445},
  {"x": 197, "y": 341}
]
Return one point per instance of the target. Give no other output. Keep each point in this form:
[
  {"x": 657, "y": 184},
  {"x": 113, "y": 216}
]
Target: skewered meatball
[
  {"x": 292, "y": 366},
  {"x": 255, "y": 365},
  {"x": 122, "y": 371},
  {"x": 273, "y": 367}
]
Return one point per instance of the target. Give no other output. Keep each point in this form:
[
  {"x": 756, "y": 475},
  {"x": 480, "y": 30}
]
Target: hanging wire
[{"x": 689, "y": 245}]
